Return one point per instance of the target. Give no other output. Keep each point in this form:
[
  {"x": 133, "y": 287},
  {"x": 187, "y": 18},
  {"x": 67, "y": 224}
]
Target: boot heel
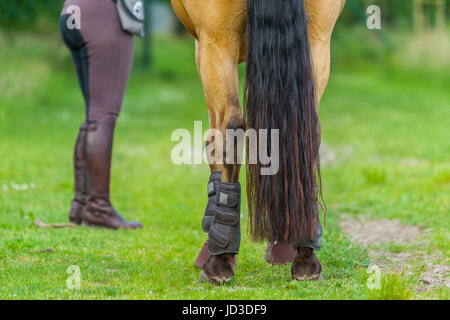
[
  {"x": 75, "y": 221},
  {"x": 90, "y": 225}
]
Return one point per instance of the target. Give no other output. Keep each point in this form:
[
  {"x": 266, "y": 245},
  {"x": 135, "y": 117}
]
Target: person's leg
[
  {"x": 110, "y": 58},
  {"x": 76, "y": 44},
  {"x": 110, "y": 61},
  {"x": 105, "y": 65},
  {"x": 99, "y": 210},
  {"x": 80, "y": 184}
]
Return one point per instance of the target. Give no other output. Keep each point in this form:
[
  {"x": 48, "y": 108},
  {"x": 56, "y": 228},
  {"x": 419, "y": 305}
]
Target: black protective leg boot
[
  {"x": 210, "y": 211},
  {"x": 80, "y": 185},
  {"x": 225, "y": 232},
  {"x": 213, "y": 189},
  {"x": 224, "y": 236},
  {"x": 99, "y": 210}
]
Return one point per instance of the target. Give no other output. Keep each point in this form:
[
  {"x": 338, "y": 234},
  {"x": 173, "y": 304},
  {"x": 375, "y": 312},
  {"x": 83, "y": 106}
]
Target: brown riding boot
[
  {"x": 99, "y": 211},
  {"x": 80, "y": 185}
]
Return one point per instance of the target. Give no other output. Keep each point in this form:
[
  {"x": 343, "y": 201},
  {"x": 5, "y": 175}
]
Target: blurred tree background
[{"x": 22, "y": 14}]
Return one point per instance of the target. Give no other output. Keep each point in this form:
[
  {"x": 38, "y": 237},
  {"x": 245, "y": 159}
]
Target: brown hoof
[
  {"x": 280, "y": 253},
  {"x": 205, "y": 278},
  {"x": 306, "y": 266},
  {"x": 309, "y": 278},
  {"x": 204, "y": 255},
  {"x": 218, "y": 269}
]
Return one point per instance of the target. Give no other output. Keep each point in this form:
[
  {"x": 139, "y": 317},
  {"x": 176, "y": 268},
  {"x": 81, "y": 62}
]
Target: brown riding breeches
[{"x": 102, "y": 53}]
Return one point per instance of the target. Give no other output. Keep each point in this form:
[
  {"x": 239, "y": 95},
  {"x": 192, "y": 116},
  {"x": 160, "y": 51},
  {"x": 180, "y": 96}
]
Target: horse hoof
[
  {"x": 306, "y": 266},
  {"x": 205, "y": 278},
  {"x": 314, "y": 277},
  {"x": 218, "y": 269}
]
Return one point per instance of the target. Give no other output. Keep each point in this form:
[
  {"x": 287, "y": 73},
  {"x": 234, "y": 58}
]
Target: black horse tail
[{"x": 279, "y": 94}]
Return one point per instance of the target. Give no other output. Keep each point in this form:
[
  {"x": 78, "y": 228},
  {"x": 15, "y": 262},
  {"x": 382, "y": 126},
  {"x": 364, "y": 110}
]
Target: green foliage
[
  {"x": 395, "y": 286},
  {"x": 395, "y": 13},
  {"x": 22, "y": 14}
]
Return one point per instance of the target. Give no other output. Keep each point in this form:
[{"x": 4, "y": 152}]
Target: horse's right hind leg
[
  {"x": 216, "y": 173},
  {"x": 219, "y": 27},
  {"x": 220, "y": 79}
]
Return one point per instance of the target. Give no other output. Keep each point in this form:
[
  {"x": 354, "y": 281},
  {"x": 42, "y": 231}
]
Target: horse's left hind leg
[
  {"x": 322, "y": 15},
  {"x": 216, "y": 172},
  {"x": 218, "y": 60}
]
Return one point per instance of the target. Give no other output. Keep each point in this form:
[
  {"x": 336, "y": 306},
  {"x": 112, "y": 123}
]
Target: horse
[{"x": 286, "y": 47}]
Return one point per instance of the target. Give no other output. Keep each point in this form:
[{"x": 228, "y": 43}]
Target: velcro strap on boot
[
  {"x": 227, "y": 199},
  {"x": 210, "y": 211},
  {"x": 211, "y": 189},
  {"x": 214, "y": 183},
  {"x": 227, "y": 217},
  {"x": 219, "y": 238}
]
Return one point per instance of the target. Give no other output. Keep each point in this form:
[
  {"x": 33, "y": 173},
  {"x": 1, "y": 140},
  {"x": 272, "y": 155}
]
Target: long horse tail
[{"x": 279, "y": 94}]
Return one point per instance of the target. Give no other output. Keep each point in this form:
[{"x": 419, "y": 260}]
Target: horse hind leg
[
  {"x": 215, "y": 177},
  {"x": 220, "y": 79},
  {"x": 323, "y": 15}
]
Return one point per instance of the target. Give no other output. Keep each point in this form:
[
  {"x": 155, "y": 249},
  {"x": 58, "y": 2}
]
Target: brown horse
[{"x": 287, "y": 48}]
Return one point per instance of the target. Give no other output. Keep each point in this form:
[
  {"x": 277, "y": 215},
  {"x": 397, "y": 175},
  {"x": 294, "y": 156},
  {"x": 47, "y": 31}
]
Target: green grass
[{"x": 388, "y": 126}]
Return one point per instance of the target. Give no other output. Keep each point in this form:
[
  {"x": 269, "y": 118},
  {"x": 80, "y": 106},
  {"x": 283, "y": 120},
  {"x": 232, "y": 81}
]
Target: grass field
[{"x": 386, "y": 125}]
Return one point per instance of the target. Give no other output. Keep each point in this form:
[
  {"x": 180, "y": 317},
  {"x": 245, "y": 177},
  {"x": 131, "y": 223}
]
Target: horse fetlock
[
  {"x": 236, "y": 122},
  {"x": 316, "y": 242}
]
